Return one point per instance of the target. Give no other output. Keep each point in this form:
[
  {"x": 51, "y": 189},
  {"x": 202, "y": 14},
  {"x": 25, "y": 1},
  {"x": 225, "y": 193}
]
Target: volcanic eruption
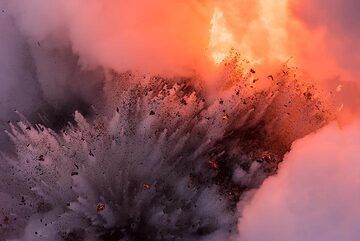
[{"x": 147, "y": 124}]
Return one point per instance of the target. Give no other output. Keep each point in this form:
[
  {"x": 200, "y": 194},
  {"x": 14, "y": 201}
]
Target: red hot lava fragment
[
  {"x": 213, "y": 164},
  {"x": 226, "y": 117},
  {"x": 100, "y": 207}
]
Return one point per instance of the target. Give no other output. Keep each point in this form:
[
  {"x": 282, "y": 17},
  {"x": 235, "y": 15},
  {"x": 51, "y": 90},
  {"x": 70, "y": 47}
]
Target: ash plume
[
  {"x": 157, "y": 160},
  {"x": 145, "y": 120}
]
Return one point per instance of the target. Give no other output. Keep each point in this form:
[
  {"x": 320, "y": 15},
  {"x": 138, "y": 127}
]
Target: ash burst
[{"x": 157, "y": 160}]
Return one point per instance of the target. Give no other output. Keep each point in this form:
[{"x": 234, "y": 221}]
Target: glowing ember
[
  {"x": 213, "y": 164},
  {"x": 100, "y": 207},
  {"x": 226, "y": 117}
]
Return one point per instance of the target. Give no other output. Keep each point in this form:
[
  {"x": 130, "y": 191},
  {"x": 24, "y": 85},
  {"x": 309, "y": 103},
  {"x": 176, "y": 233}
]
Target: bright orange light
[
  {"x": 221, "y": 39},
  {"x": 264, "y": 38}
]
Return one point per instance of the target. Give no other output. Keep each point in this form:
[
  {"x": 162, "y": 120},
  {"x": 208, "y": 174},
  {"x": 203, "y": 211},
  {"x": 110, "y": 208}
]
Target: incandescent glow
[
  {"x": 221, "y": 39},
  {"x": 161, "y": 120},
  {"x": 264, "y": 36},
  {"x": 274, "y": 16}
]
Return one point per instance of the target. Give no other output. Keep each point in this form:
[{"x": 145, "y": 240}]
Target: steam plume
[
  {"x": 315, "y": 193},
  {"x": 134, "y": 120}
]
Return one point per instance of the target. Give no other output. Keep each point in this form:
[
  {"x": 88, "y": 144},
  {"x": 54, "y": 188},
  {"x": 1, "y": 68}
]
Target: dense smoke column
[{"x": 157, "y": 160}]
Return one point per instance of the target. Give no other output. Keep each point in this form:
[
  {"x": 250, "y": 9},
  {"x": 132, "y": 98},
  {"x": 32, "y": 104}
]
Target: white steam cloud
[
  {"x": 315, "y": 195},
  {"x": 159, "y": 36}
]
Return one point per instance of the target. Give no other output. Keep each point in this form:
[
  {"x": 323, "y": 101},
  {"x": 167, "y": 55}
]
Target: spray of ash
[{"x": 157, "y": 160}]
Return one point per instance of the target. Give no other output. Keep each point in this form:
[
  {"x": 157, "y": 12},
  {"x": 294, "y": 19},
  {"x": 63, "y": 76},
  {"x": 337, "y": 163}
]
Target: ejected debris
[
  {"x": 183, "y": 101},
  {"x": 226, "y": 117},
  {"x": 213, "y": 164},
  {"x": 100, "y": 207},
  {"x": 308, "y": 95},
  {"x": 74, "y": 173},
  {"x": 41, "y": 158}
]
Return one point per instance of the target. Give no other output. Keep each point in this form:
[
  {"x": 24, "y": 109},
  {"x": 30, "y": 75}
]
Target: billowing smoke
[
  {"x": 155, "y": 120},
  {"x": 41, "y": 80},
  {"x": 137, "y": 35},
  {"x": 315, "y": 193},
  {"x": 337, "y": 20},
  {"x": 157, "y": 161}
]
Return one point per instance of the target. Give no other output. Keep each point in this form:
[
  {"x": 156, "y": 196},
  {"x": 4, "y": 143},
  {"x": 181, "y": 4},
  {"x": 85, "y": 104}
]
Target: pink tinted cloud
[
  {"x": 315, "y": 195},
  {"x": 339, "y": 22},
  {"x": 155, "y": 36}
]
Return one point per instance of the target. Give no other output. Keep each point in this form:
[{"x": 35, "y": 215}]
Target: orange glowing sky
[
  {"x": 194, "y": 36},
  {"x": 271, "y": 32},
  {"x": 264, "y": 38}
]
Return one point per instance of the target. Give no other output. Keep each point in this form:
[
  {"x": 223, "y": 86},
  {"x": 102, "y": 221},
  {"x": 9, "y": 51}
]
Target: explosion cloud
[
  {"x": 188, "y": 167},
  {"x": 313, "y": 195},
  {"x": 160, "y": 120}
]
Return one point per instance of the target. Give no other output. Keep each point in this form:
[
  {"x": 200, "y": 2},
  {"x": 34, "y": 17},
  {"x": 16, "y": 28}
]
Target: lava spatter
[{"x": 174, "y": 174}]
